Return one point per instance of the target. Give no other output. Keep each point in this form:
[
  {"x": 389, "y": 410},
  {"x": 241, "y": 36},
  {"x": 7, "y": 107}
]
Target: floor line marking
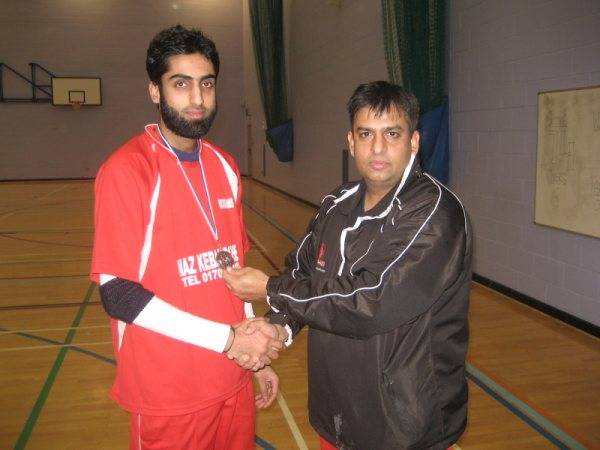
[
  {"x": 75, "y": 348},
  {"x": 283, "y": 231},
  {"x": 31, "y": 205},
  {"x": 38, "y": 347},
  {"x": 264, "y": 252},
  {"x": 256, "y": 241},
  {"x": 547, "y": 427},
  {"x": 43, "y": 395},
  {"x": 287, "y": 414},
  {"x": 87, "y": 327},
  {"x": 35, "y": 241},
  {"x": 278, "y": 192},
  {"x": 48, "y": 305},
  {"x": 261, "y": 442},
  {"x": 291, "y": 422}
]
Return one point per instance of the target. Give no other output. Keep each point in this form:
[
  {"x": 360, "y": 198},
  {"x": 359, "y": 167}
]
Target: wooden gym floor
[{"x": 534, "y": 381}]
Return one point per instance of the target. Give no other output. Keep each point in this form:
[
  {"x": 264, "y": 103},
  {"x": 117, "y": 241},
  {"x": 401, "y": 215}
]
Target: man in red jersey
[{"x": 168, "y": 219}]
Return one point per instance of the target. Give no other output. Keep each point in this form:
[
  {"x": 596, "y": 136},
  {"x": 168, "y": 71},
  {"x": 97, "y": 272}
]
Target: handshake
[{"x": 252, "y": 343}]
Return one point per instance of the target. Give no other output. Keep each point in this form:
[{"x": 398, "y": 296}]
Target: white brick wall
[{"x": 502, "y": 53}]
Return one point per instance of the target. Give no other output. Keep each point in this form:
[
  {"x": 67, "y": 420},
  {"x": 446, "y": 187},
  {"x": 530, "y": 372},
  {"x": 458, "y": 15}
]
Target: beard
[{"x": 191, "y": 129}]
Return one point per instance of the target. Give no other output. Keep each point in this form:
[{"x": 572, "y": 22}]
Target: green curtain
[
  {"x": 414, "y": 37},
  {"x": 267, "y": 36},
  {"x": 390, "y": 36}
]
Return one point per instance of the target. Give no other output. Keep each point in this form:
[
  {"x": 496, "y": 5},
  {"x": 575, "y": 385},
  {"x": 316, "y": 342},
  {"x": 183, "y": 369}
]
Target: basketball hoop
[{"x": 75, "y": 92}]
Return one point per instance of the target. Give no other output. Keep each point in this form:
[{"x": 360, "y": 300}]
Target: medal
[{"x": 224, "y": 259}]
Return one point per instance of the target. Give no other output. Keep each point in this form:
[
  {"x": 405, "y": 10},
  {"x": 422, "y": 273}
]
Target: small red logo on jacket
[{"x": 321, "y": 257}]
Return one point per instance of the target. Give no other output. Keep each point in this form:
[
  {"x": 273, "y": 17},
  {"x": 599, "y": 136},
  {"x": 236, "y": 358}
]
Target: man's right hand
[{"x": 255, "y": 343}]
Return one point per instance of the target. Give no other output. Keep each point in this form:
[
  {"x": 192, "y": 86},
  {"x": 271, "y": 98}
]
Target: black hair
[
  {"x": 178, "y": 40},
  {"x": 381, "y": 96}
]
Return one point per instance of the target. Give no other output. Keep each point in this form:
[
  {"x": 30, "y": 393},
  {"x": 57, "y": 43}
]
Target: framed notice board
[{"x": 567, "y": 190}]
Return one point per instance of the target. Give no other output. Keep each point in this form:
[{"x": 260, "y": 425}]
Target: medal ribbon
[{"x": 212, "y": 225}]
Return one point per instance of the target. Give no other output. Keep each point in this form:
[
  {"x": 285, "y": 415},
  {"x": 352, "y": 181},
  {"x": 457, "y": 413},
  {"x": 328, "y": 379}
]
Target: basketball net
[{"x": 76, "y": 105}]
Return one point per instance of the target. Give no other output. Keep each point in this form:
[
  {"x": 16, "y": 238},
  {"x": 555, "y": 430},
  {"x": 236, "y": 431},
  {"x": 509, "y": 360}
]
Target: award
[{"x": 224, "y": 259}]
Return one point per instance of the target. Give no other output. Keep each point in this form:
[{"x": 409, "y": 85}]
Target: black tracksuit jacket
[{"x": 385, "y": 295}]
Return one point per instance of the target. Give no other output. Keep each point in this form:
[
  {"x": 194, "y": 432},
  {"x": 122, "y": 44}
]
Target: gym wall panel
[{"x": 501, "y": 54}]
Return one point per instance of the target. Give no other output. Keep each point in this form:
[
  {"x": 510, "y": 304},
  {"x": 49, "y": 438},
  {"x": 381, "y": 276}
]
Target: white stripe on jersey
[
  {"x": 231, "y": 176},
  {"x": 145, "y": 255},
  {"x": 121, "y": 332}
]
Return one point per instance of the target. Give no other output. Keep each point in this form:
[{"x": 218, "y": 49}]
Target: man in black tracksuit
[{"x": 382, "y": 279}]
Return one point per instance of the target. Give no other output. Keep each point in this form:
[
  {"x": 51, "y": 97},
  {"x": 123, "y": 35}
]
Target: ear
[
  {"x": 154, "y": 92},
  {"x": 414, "y": 142},
  {"x": 351, "y": 142}
]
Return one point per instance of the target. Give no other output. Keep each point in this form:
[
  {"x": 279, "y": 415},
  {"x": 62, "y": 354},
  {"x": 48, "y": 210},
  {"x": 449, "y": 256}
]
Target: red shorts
[
  {"x": 228, "y": 425},
  {"x": 326, "y": 445}
]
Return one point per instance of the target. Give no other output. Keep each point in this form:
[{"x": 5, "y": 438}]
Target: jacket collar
[{"x": 355, "y": 201}]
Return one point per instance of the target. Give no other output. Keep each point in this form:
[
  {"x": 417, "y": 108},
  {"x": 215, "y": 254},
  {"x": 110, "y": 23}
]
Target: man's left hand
[
  {"x": 268, "y": 386},
  {"x": 247, "y": 283}
]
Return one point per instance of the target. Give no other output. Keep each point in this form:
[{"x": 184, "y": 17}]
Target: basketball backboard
[{"x": 76, "y": 91}]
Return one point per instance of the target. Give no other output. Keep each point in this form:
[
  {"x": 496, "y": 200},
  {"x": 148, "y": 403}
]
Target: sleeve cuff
[
  {"x": 273, "y": 299},
  {"x": 290, "y": 339}
]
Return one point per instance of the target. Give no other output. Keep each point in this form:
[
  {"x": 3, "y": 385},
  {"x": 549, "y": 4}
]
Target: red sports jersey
[{"x": 150, "y": 229}]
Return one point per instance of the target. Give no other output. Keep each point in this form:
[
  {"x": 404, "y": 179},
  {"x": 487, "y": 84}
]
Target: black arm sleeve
[{"x": 124, "y": 299}]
